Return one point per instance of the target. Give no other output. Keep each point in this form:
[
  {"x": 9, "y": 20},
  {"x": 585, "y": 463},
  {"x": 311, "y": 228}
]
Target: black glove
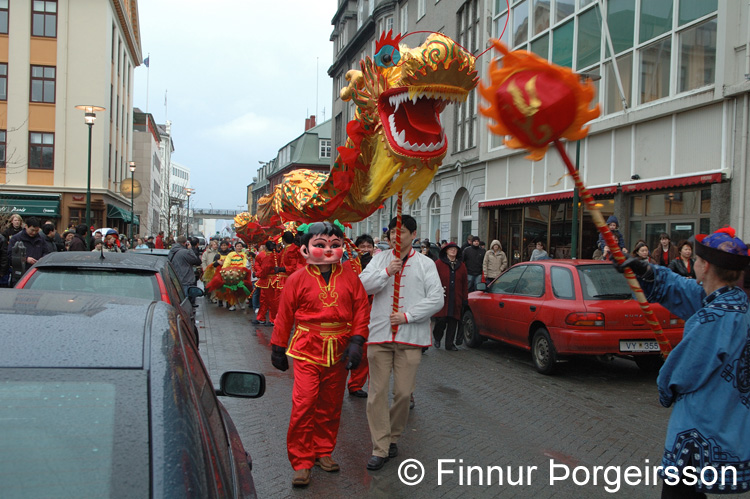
[
  {"x": 279, "y": 269},
  {"x": 278, "y": 358},
  {"x": 354, "y": 352},
  {"x": 641, "y": 268}
]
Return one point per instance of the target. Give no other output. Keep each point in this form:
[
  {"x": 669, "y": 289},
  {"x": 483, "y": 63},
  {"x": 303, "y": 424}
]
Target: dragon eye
[{"x": 387, "y": 56}]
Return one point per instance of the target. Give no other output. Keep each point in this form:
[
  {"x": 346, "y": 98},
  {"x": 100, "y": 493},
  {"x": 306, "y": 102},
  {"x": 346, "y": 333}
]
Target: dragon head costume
[{"x": 396, "y": 139}]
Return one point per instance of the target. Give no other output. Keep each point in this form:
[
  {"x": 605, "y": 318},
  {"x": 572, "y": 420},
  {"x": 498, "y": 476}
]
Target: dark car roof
[
  {"x": 93, "y": 259},
  {"x": 151, "y": 251},
  {"x": 73, "y": 330}
]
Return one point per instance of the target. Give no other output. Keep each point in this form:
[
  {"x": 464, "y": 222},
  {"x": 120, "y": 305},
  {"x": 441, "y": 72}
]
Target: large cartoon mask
[{"x": 323, "y": 249}]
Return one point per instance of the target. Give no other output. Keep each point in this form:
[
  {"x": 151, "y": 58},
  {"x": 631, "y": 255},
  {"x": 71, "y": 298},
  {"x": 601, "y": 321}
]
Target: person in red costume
[
  {"x": 266, "y": 267},
  {"x": 291, "y": 259},
  {"x": 326, "y": 305}
]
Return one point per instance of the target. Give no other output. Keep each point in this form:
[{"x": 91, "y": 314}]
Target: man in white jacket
[{"x": 399, "y": 352}]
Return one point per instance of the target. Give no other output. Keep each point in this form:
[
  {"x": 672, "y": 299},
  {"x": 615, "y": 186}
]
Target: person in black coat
[
  {"x": 34, "y": 244},
  {"x": 683, "y": 265},
  {"x": 454, "y": 278},
  {"x": 48, "y": 234},
  {"x": 473, "y": 257}
]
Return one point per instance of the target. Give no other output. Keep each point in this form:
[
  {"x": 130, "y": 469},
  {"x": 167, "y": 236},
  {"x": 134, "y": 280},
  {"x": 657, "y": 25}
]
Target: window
[
  {"x": 44, "y": 18},
  {"x": 403, "y": 19},
  {"x": 466, "y": 112},
  {"x": 562, "y": 283},
  {"x": 697, "y": 63},
  {"x": 388, "y": 24},
  {"x": 655, "y": 70},
  {"x": 360, "y": 13},
  {"x": 416, "y": 209},
  {"x": 3, "y": 81},
  {"x": 433, "y": 210},
  {"x": 43, "y": 84},
  {"x": 2, "y": 148},
  {"x": 4, "y": 16},
  {"x": 41, "y": 151},
  {"x": 520, "y": 23},
  {"x": 325, "y": 148},
  {"x": 421, "y": 9}
]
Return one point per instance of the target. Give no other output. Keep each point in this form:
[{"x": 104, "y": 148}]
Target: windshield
[
  {"x": 603, "y": 282},
  {"x": 85, "y": 434},
  {"x": 105, "y": 281}
]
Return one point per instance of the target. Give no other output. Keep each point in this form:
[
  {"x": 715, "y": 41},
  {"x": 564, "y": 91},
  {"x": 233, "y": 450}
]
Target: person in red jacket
[
  {"x": 265, "y": 267},
  {"x": 159, "y": 243},
  {"x": 326, "y": 306},
  {"x": 291, "y": 259},
  {"x": 454, "y": 278}
]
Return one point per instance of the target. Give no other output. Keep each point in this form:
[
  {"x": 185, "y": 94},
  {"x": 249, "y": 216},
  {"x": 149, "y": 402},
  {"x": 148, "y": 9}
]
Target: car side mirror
[
  {"x": 194, "y": 292},
  {"x": 481, "y": 286},
  {"x": 243, "y": 384}
]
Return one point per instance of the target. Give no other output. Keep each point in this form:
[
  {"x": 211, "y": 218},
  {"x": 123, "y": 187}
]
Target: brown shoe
[
  {"x": 301, "y": 478},
  {"x": 327, "y": 463}
]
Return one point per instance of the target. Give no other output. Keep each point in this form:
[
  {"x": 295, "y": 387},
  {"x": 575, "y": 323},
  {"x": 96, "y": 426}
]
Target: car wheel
[
  {"x": 649, "y": 363},
  {"x": 543, "y": 352},
  {"x": 471, "y": 333}
]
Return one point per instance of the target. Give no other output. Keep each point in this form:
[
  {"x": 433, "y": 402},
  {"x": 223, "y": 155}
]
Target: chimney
[{"x": 309, "y": 122}]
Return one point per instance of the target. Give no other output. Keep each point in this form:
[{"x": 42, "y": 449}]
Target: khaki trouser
[{"x": 386, "y": 426}]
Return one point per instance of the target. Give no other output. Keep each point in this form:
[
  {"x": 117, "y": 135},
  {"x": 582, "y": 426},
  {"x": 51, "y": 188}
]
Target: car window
[
  {"x": 506, "y": 283},
  {"x": 106, "y": 281},
  {"x": 603, "y": 282},
  {"x": 87, "y": 429},
  {"x": 176, "y": 282},
  {"x": 562, "y": 283},
  {"x": 531, "y": 282},
  {"x": 204, "y": 391}
]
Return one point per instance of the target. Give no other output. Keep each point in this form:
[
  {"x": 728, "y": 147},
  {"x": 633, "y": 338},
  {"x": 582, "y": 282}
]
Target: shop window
[
  {"x": 706, "y": 202},
  {"x": 697, "y": 56},
  {"x": 636, "y": 206}
]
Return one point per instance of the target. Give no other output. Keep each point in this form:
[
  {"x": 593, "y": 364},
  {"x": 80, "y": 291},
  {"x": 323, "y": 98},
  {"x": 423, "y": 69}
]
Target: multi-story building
[
  {"x": 56, "y": 55},
  {"x": 179, "y": 183},
  {"x": 147, "y": 158},
  {"x": 668, "y": 153},
  {"x": 309, "y": 151},
  {"x": 166, "y": 148}
]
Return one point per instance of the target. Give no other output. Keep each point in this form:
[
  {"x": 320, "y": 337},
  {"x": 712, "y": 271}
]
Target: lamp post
[
  {"x": 89, "y": 118},
  {"x": 189, "y": 192},
  {"x": 132, "y": 196}
]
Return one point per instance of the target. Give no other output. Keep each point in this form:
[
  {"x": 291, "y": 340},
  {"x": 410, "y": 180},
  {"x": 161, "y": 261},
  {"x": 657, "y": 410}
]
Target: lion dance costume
[{"x": 232, "y": 281}]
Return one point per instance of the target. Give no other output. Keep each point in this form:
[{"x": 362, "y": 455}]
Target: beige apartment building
[{"x": 56, "y": 55}]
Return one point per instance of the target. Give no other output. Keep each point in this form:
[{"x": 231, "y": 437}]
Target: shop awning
[
  {"x": 26, "y": 205},
  {"x": 117, "y": 212},
  {"x": 670, "y": 183},
  {"x": 545, "y": 198}
]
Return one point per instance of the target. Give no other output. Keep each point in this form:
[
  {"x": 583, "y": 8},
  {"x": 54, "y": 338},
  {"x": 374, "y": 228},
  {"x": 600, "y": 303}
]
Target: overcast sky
[{"x": 240, "y": 79}]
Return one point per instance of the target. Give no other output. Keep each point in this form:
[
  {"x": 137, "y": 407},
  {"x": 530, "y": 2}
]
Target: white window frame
[
  {"x": 403, "y": 18},
  {"x": 324, "y": 149}
]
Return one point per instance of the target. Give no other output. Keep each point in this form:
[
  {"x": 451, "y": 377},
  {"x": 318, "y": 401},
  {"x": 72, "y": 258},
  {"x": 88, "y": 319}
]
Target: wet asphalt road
[{"x": 477, "y": 408}]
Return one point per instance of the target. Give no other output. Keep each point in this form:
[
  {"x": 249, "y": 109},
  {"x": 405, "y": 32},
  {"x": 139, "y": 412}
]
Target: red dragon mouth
[{"x": 412, "y": 125}]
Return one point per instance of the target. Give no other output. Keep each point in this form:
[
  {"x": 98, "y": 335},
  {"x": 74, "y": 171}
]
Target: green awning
[
  {"x": 117, "y": 212},
  {"x": 28, "y": 205}
]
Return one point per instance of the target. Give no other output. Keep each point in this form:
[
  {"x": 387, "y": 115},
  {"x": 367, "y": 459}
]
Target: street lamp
[
  {"x": 89, "y": 118},
  {"x": 189, "y": 192},
  {"x": 132, "y": 195}
]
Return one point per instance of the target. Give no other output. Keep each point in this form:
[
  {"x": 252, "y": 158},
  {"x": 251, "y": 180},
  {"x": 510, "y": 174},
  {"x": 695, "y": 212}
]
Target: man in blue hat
[{"x": 707, "y": 375}]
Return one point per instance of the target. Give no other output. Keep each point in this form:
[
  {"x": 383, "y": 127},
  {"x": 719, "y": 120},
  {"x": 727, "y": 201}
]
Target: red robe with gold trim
[{"x": 324, "y": 318}]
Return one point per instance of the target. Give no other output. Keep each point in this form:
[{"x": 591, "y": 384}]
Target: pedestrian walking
[
  {"x": 455, "y": 283},
  {"x": 705, "y": 378},
  {"x": 183, "y": 259},
  {"x": 32, "y": 247},
  {"x": 665, "y": 252},
  {"x": 326, "y": 306},
  {"x": 396, "y": 338}
]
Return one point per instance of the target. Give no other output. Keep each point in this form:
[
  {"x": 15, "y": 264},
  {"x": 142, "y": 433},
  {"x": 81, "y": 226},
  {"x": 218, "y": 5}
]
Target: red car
[{"x": 557, "y": 308}]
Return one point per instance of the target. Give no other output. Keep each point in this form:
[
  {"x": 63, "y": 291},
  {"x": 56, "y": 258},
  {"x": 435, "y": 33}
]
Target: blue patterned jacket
[{"x": 707, "y": 378}]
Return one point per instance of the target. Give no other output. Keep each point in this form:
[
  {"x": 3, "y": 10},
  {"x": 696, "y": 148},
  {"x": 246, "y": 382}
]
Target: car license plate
[{"x": 639, "y": 346}]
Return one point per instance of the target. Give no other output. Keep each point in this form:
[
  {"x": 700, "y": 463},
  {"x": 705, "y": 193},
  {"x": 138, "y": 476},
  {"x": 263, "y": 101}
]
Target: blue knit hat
[{"x": 723, "y": 249}]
